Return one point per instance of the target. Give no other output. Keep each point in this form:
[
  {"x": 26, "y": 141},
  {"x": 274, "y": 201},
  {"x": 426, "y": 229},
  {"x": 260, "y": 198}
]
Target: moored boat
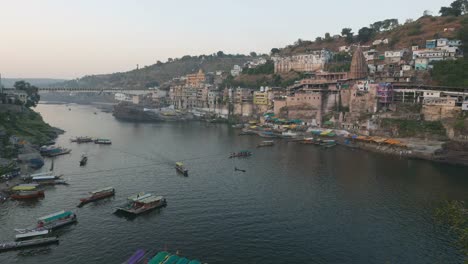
[
  {"x": 82, "y": 140},
  {"x": 268, "y": 134},
  {"x": 136, "y": 257},
  {"x": 28, "y": 243},
  {"x": 139, "y": 204},
  {"x": 266, "y": 144},
  {"x": 24, "y": 195},
  {"x": 181, "y": 168},
  {"x": 52, "y": 221},
  {"x": 31, "y": 234},
  {"x": 98, "y": 195},
  {"x": 53, "y": 151},
  {"x": 103, "y": 141}
]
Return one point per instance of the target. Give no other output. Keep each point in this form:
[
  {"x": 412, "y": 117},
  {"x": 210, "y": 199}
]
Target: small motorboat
[
  {"x": 266, "y": 144},
  {"x": 181, "y": 168},
  {"x": 84, "y": 160},
  {"x": 241, "y": 154},
  {"x": 51, "y": 222},
  {"x": 103, "y": 141}
]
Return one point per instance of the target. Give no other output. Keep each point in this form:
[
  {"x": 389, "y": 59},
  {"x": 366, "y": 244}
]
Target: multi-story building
[
  {"x": 195, "y": 79},
  {"x": 309, "y": 62}
]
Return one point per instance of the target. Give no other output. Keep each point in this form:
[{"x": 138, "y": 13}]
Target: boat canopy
[
  {"x": 160, "y": 257},
  {"x": 194, "y": 262},
  {"x": 151, "y": 199},
  {"x": 41, "y": 174},
  {"x": 183, "y": 261},
  {"x": 180, "y": 164},
  {"x": 171, "y": 260},
  {"x": 55, "y": 216},
  {"x": 107, "y": 189},
  {"x": 25, "y": 187},
  {"x": 139, "y": 196},
  {"x": 39, "y": 178},
  {"x": 32, "y": 234}
]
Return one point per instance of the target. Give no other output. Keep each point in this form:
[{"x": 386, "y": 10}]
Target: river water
[{"x": 295, "y": 203}]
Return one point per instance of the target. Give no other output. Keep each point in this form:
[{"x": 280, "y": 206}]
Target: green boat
[
  {"x": 159, "y": 258},
  {"x": 183, "y": 261},
  {"x": 171, "y": 260}
]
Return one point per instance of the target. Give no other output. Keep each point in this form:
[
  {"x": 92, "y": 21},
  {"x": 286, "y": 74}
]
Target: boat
[
  {"x": 164, "y": 257},
  {"x": 25, "y": 187},
  {"x": 82, "y": 140},
  {"x": 266, "y": 144},
  {"x": 51, "y": 222},
  {"x": 31, "y": 234},
  {"x": 84, "y": 160},
  {"x": 103, "y": 141},
  {"x": 53, "y": 151},
  {"x": 28, "y": 243},
  {"x": 289, "y": 134},
  {"x": 328, "y": 143},
  {"x": 98, "y": 195},
  {"x": 23, "y": 195},
  {"x": 310, "y": 141},
  {"x": 138, "y": 204},
  {"x": 268, "y": 134},
  {"x": 136, "y": 257},
  {"x": 238, "y": 126},
  {"x": 241, "y": 154},
  {"x": 247, "y": 133},
  {"x": 181, "y": 168}
]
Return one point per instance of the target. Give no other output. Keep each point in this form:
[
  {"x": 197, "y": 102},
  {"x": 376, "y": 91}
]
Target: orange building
[{"x": 196, "y": 79}]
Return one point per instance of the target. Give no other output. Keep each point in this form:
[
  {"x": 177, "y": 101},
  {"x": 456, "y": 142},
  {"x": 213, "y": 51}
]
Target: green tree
[
  {"x": 31, "y": 90},
  {"x": 456, "y": 8},
  {"x": 348, "y": 34},
  {"x": 274, "y": 51},
  {"x": 253, "y": 54},
  {"x": 220, "y": 54},
  {"x": 365, "y": 34}
]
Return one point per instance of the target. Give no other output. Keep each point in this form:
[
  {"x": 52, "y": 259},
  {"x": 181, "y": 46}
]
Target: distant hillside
[
  {"x": 39, "y": 82},
  {"x": 402, "y": 36},
  {"x": 159, "y": 73}
]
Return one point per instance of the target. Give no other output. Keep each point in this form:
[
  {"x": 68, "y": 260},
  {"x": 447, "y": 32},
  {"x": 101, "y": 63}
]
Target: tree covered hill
[
  {"x": 401, "y": 36},
  {"x": 156, "y": 74}
]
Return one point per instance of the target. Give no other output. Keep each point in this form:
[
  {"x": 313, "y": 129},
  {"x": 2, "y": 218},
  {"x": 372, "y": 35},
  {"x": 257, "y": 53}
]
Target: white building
[
  {"x": 308, "y": 62},
  {"x": 121, "y": 97},
  {"x": 465, "y": 105},
  {"x": 344, "y": 49},
  {"x": 236, "y": 70}
]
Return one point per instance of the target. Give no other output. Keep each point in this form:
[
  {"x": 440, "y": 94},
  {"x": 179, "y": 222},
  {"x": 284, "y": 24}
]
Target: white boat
[
  {"x": 31, "y": 234},
  {"x": 48, "y": 173}
]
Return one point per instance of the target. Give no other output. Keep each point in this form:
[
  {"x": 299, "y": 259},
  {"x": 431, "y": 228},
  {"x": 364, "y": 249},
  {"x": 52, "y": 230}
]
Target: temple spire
[{"x": 358, "y": 65}]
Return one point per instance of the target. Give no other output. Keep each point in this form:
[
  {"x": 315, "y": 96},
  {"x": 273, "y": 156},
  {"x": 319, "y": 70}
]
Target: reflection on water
[{"x": 294, "y": 203}]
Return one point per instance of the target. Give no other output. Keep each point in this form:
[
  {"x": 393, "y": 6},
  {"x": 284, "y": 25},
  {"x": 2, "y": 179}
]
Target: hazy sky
[{"x": 69, "y": 39}]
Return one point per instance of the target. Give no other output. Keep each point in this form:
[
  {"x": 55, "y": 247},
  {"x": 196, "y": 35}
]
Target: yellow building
[
  {"x": 261, "y": 98},
  {"x": 196, "y": 79}
]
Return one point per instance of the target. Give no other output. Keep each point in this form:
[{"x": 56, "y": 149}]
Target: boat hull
[
  {"x": 28, "y": 243},
  {"x": 141, "y": 210},
  {"x": 85, "y": 201},
  {"x": 38, "y": 194},
  {"x": 182, "y": 171}
]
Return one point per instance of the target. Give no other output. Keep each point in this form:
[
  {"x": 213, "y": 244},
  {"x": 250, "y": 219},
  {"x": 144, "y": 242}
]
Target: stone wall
[{"x": 439, "y": 112}]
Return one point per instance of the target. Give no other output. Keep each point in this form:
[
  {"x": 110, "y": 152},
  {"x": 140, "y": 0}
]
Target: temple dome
[{"x": 358, "y": 65}]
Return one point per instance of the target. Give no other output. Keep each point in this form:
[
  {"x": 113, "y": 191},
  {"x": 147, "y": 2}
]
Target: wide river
[{"x": 294, "y": 204}]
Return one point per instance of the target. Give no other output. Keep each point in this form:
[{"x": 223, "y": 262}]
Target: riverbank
[{"x": 22, "y": 132}]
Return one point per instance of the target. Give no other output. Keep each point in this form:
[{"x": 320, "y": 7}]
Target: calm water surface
[{"x": 295, "y": 203}]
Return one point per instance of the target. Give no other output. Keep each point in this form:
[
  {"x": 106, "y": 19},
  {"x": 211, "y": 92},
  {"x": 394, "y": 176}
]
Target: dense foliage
[
  {"x": 451, "y": 73},
  {"x": 414, "y": 128},
  {"x": 267, "y": 68},
  {"x": 456, "y": 8},
  {"x": 32, "y": 92}
]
